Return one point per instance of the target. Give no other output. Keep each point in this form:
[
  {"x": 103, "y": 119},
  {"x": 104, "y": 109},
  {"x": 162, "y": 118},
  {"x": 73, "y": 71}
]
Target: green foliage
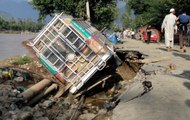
[
  {"x": 22, "y": 60},
  {"x": 103, "y": 12},
  {"x": 154, "y": 11},
  {"x": 20, "y": 25}
]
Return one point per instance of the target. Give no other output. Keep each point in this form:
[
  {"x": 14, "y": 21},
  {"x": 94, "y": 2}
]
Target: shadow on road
[
  {"x": 164, "y": 49},
  {"x": 185, "y": 56},
  {"x": 185, "y": 74},
  {"x": 187, "y": 85},
  {"x": 187, "y": 102}
]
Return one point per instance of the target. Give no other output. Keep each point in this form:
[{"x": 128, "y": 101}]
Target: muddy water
[{"x": 11, "y": 44}]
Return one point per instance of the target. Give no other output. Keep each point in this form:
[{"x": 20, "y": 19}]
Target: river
[{"x": 11, "y": 44}]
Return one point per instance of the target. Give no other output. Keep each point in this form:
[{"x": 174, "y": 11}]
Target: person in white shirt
[{"x": 170, "y": 28}]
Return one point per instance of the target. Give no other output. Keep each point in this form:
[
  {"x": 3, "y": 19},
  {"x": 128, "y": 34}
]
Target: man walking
[
  {"x": 183, "y": 20},
  {"x": 149, "y": 32},
  {"x": 169, "y": 27}
]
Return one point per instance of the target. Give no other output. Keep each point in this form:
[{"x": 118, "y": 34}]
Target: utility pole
[{"x": 88, "y": 10}]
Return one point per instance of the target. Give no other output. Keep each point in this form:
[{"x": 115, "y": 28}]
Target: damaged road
[{"x": 169, "y": 98}]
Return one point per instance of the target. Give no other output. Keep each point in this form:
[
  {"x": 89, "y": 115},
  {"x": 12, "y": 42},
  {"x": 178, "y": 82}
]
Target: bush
[{"x": 22, "y": 60}]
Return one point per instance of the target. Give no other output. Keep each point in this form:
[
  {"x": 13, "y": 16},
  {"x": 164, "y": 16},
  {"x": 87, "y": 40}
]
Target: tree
[
  {"x": 154, "y": 11},
  {"x": 20, "y": 25},
  {"x": 103, "y": 12}
]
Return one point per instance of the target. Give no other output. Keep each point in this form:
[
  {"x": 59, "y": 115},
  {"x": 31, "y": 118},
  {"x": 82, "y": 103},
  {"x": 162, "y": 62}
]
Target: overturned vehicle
[
  {"x": 77, "y": 70},
  {"x": 73, "y": 51}
]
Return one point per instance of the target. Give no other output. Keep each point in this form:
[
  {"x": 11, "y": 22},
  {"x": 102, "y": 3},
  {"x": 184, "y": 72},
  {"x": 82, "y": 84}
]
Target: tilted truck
[{"x": 72, "y": 50}]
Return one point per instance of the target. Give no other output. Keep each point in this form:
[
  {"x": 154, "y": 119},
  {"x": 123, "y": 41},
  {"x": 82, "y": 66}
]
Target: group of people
[{"x": 171, "y": 25}]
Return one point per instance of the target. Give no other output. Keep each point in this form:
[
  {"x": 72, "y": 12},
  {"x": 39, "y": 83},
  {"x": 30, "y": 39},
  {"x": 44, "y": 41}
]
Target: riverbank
[{"x": 16, "y": 32}]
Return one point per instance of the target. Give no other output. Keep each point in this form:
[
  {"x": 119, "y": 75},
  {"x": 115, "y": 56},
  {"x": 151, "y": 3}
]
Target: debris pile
[{"x": 94, "y": 100}]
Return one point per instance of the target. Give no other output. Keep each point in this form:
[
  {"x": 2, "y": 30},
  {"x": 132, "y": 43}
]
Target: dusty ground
[{"x": 170, "y": 97}]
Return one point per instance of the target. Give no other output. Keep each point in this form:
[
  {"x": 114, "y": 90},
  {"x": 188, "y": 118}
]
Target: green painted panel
[
  {"x": 83, "y": 31},
  {"x": 48, "y": 66}
]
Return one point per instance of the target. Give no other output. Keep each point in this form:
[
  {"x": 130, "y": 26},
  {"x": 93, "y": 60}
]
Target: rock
[
  {"x": 88, "y": 116},
  {"x": 102, "y": 111},
  {"x": 13, "y": 106},
  {"x": 1, "y": 112},
  {"x": 177, "y": 72},
  {"x": 85, "y": 111},
  {"x": 89, "y": 105},
  {"x": 47, "y": 104},
  {"x": 101, "y": 117},
  {"x": 12, "y": 94},
  {"x": 26, "y": 116},
  {"x": 9, "y": 114},
  {"x": 97, "y": 108},
  {"x": 14, "y": 117},
  {"x": 1, "y": 93},
  {"x": 62, "y": 118},
  {"x": 172, "y": 66},
  {"x": 43, "y": 118},
  {"x": 38, "y": 114},
  {"x": 7, "y": 105},
  {"x": 19, "y": 96},
  {"x": 27, "y": 109}
]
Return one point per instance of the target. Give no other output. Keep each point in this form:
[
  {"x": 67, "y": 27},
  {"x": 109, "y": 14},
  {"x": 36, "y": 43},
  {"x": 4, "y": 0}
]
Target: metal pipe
[
  {"x": 35, "y": 89},
  {"x": 54, "y": 86}
]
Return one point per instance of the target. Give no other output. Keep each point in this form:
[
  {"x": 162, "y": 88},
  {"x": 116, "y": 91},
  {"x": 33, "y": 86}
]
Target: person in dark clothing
[
  {"x": 149, "y": 32},
  {"x": 182, "y": 21}
]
